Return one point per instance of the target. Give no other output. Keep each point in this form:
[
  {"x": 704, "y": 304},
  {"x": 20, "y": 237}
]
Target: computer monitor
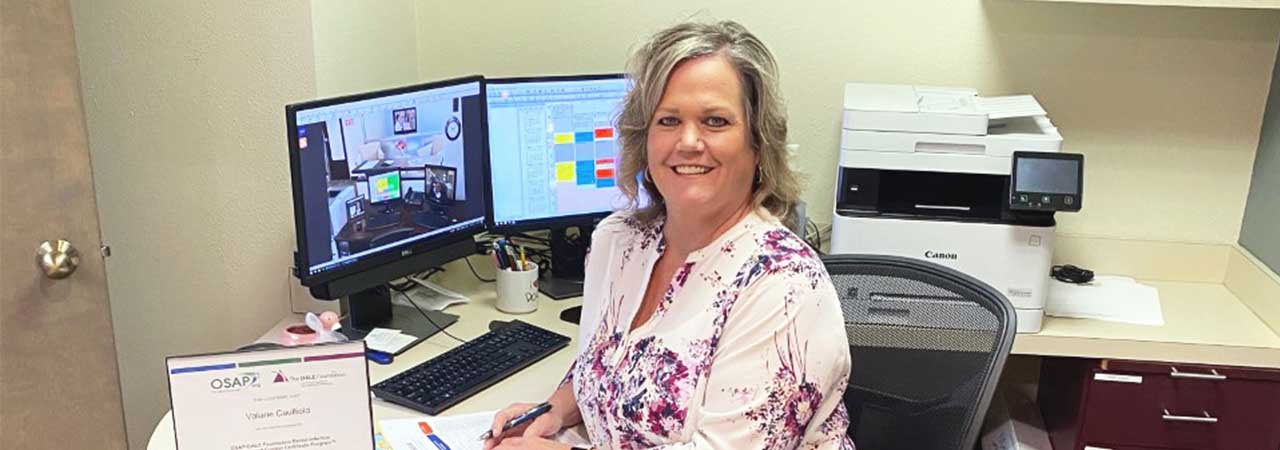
[
  {"x": 553, "y": 158},
  {"x": 355, "y": 208},
  {"x": 346, "y": 248},
  {"x": 383, "y": 188},
  {"x": 440, "y": 184}
]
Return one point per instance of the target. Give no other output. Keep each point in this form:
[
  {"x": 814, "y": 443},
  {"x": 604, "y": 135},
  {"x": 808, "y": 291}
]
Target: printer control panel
[{"x": 1046, "y": 181}]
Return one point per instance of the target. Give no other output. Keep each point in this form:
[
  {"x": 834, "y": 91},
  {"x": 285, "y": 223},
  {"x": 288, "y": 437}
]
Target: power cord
[
  {"x": 1068, "y": 273},
  {"x": 407, "y": 284},
  {"x": 477, "y": 274},
  {"x": 288, "y": 287},
  {"x": 429, "y": 319}
]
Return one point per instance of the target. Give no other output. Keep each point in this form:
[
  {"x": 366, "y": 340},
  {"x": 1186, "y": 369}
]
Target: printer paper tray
[{"x": 1001, "y": 146}]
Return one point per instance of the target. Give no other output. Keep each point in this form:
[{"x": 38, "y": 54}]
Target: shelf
[
  {"x": 1254, "y": 4},
  {"x": 1204, "y": 323}
]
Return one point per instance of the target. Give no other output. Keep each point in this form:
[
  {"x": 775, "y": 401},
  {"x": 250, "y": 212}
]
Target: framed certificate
[{"x": 297, "y": 398}]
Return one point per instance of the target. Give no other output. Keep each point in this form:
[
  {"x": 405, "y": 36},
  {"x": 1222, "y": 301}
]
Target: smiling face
[{"x": 698, "y": 147}]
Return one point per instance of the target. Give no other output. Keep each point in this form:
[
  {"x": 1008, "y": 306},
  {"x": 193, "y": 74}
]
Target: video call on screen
[{"x": 380, "y": 172}]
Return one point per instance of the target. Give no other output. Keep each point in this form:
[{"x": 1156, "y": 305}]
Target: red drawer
[
  {"x": 1131, "y": 409},
  {"x": 1126, "y": 404}
]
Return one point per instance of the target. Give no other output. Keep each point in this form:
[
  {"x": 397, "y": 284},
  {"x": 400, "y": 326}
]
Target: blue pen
[{"x": 528, "y": 416}]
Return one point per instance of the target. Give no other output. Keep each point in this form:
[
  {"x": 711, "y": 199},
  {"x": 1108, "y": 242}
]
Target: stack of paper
[
  {"x": 387, "y": 340},
  {"x": 450, "y": 432},
  {"x": 1110, "y": 298},
  {"x": 434, "y": 433},
  {"x": 430, "y": 296}
]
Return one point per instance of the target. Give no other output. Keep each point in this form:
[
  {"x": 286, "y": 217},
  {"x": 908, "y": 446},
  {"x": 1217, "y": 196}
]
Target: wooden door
[{"x": 59, "y": 387}]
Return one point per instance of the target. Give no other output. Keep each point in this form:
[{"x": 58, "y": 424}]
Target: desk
[
  {"x": 403, "y": 221},
  {"x": 371, "y": 167},
  {"x": 1204, "y": 323},
  {"x": 533, "y": 384},
  {"x": 1211, "y": 319}
]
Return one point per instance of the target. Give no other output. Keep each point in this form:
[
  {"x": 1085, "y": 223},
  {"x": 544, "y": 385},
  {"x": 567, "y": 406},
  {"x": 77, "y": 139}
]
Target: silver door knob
[{"x": 58, "y": 259}]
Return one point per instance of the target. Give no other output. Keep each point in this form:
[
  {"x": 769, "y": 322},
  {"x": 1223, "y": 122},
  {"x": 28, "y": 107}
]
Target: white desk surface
[
  {"x": 1204, "y": 323},
  {"x": 533, "y": 384}
]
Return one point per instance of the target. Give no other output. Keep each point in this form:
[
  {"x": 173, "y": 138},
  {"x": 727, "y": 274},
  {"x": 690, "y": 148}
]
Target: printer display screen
[{"x": 1050, "y": 176}]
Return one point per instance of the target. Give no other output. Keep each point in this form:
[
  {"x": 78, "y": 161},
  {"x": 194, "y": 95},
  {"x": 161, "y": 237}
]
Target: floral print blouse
[{"x": 746, "y": 350}]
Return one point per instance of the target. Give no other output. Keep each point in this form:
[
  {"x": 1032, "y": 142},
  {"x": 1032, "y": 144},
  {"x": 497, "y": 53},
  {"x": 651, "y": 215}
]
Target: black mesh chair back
[{"x": 928, "y": 344}]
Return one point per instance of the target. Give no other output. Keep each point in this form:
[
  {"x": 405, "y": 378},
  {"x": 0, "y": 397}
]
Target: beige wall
[
  {"x": 184, "y": 108},
  {"x": 184, "y": 103},
  {"x": 363, "y": 46},
  {"x": 1165, "y": 103}
]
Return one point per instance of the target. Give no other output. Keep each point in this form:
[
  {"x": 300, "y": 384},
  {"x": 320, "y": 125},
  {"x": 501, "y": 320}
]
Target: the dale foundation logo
[{"x": 280, "y": 378}]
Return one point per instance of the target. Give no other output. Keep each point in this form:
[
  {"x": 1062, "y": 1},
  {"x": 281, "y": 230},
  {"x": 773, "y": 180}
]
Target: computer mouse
[
  {"x": 572, "y": 315},
  {"x": 494, "y": 325}
]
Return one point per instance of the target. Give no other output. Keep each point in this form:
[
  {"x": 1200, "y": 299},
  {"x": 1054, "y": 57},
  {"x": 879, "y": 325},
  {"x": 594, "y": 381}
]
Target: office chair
[{"x": 927, "y": 343}]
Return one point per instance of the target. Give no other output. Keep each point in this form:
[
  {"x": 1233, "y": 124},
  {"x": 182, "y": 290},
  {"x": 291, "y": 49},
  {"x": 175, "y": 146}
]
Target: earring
[
  {"x": 759, "y": 175},
  {"x": 647, "y": 177}
]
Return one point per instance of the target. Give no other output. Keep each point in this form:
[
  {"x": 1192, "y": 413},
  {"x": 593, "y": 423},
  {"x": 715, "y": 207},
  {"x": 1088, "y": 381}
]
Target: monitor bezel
[
  {"x": 547, "y": 222},
  {"x": 404, "y": 250}
]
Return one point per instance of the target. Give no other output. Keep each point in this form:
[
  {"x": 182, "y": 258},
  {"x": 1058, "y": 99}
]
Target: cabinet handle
[
  {"x": 1197, "y": 419},
  {"x": 1213, "y": 375}
]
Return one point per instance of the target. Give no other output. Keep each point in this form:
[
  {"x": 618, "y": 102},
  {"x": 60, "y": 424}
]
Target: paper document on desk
[
  {"x": 430, "y": 296},
  {"x": 387, "y": 340},
  {"x": 450, "y": 432},
  {"x": 1110, "y": 298}
]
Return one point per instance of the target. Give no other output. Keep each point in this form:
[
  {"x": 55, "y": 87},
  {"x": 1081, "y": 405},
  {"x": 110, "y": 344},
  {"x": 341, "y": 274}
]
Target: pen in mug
[
  {"x": 496, "y": 263},
  {"x": 516, "y": 421},
  {"x": 500, "y": 255}
]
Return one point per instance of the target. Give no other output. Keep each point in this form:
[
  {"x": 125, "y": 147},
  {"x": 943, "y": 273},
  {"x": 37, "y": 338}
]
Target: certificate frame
[{"x": 276, "y": 359}]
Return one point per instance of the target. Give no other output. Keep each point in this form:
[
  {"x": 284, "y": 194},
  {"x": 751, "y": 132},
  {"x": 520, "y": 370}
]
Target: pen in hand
[{"x": 522, "y": 419}]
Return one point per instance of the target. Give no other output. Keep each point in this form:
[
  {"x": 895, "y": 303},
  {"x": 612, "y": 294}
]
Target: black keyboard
[
  {"x": 383, "y": 220},
  {"x": 443, "y": 381}
]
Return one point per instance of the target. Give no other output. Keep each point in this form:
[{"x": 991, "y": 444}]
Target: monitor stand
[
  {"x": 568, "y": 256},
  {"x": 372, "y": 308}
]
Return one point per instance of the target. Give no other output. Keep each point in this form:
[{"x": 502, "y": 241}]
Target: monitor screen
[
  {"x": 553, "y": 147},
  {"x": 384, "y": 186},
  {"x": 352, "y": 152},
  {"x": 441, "y": 182},
  {"x": 355, "y": 208}
]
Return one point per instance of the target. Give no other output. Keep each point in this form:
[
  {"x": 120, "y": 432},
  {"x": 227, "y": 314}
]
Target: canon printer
[{"x": 944, "y": 175}]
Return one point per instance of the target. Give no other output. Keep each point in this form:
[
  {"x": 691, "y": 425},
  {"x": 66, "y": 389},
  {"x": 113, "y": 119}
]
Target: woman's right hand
[{"x": 545, "y": 425}]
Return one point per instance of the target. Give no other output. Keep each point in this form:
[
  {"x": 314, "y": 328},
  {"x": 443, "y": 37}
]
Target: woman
[{"x": 706, "y": 324}]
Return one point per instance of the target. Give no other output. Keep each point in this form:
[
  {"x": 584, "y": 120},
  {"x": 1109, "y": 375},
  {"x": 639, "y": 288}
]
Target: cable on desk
[
  {"x": 407, "y": 284},
  {"x": 543, "y": 241},
  {"x": 428, "y": 317},
  {"x": 477, "y": 274},
  {"x": 288, "y": 286}
]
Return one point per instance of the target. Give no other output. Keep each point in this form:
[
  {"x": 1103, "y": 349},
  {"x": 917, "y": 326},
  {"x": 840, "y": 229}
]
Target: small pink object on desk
[{"x": 317, "y": 329}]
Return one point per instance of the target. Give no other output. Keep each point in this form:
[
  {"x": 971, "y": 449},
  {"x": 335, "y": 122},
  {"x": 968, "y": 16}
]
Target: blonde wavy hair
[{"x": 776, "y": 187}]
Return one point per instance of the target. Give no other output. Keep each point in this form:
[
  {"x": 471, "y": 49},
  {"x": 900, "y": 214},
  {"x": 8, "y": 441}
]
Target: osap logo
[{"x": 241, "y": 381}]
